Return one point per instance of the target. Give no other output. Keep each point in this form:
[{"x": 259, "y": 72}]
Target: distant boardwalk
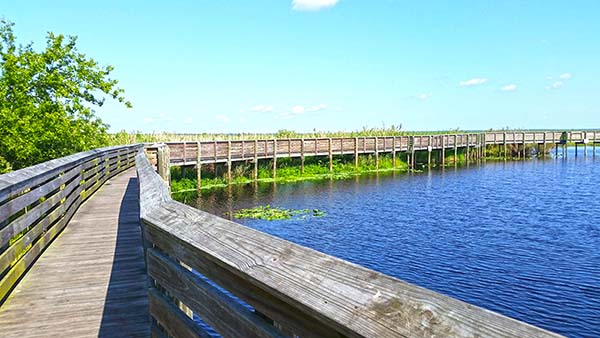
[{"x": 91, "y": 281}]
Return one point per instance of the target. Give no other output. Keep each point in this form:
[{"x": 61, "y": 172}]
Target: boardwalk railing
[
  {"x": 36, "y": 203},
  {"x": 186, "y": 153},
  {"x": 288, "y": 290}
]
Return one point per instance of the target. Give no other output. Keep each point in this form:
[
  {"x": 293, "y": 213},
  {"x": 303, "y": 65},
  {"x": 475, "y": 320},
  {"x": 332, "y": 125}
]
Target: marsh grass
[{"x": 288, "y": 170}]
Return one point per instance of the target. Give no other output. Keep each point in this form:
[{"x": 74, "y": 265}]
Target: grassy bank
[
  {"x": 214, "y": 176},
  {"x": 288, "y": 170}
]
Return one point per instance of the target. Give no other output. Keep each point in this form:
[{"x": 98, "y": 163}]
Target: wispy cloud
[
  {"x": 162, "y": 117},
  {"x": 188, "y": 120},
  {"x": 565, "y": 76},
  {"x": 312, "y": 5},
  {"x": 223, "y": 118},
  {"x": 555, "y": 85},
  {"x": 262, "y": 108},
  {"x": 300, "y": 109},
  {"x": 318, "y": 107},
  {"x": 509, "y": 88},
  {"x": 424, "y": 96},
  {"x": 473, "y": 82}
]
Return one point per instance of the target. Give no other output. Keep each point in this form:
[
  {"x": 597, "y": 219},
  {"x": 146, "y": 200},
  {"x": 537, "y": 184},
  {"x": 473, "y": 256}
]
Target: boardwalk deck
[{"x": 91, "y": 281}]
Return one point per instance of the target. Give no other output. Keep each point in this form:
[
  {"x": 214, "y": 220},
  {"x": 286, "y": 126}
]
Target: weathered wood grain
[
  {"x": 222, "y": 313},
  {"x": 171, "y": 318}
]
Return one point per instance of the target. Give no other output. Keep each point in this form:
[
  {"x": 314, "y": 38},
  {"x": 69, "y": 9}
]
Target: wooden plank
[
  {"x": 91, "y": 280},
  {"x": 20, "y": 246},
  {"x": 17, "y": 204},
  {"x": 171, "y": 318},
  {"x": 221, "y": 312}
]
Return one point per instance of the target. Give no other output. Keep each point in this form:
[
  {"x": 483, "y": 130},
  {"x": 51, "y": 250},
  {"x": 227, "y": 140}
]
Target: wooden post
[
  {"x": 443, "y": 151},
  {"x": 162, "y": 163},
  {"x": 376, "y": 153},
  {"x": 594, "y": 145},
  {"x": 429, "y": 149},
  {"x": 544, "y": 146},
  {"x": 215, "y": 149},
  {"x": 198, "y": 168},
  {"x": 455, "y": 150},
  {"x": 274, "y": 158},
  {"x": 229, "y": 162},
  {"x": 484, "y": 145},
  {"x": 302, "y": 156},
  {"x": 255, "y": 160},
  {"x": 184, "y": 160},
  {"x": 289, "y": 147},
  {"x": 356, "y": 152},
  {"x": 505, "y": 147},
  {"x": 411, "y": 149},
  {"x": 330, "y": 154},
  {"x": 394, "y": 152},
  {"x": 467, "y": 150},
  {"x": 584, "y": 144},
  {"x": 524, "y": 147},
  {"x": 242, "y": 154},
  {"x": 576, "y": 147}
]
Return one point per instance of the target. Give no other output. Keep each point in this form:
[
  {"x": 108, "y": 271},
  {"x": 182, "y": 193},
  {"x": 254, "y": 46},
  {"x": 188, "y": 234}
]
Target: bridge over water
[{"x": 91, "y": 246}]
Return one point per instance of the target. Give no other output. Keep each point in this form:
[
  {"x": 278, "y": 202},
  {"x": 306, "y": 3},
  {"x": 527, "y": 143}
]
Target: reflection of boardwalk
[{"x": 91, "y": 280}]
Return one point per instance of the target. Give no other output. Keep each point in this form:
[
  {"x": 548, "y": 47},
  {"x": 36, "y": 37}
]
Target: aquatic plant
[{"x": 269, "y": 213}]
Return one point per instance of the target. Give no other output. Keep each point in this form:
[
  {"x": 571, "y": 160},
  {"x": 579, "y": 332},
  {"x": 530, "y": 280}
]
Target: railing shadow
[{"x": 126, "y": 303}]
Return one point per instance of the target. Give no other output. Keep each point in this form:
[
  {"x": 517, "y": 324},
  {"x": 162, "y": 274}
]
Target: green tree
[{"x": 47, "y": 100}]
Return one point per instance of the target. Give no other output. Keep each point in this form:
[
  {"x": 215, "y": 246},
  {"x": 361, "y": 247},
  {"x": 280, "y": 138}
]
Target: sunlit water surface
[{"x": 519, "y": 238}]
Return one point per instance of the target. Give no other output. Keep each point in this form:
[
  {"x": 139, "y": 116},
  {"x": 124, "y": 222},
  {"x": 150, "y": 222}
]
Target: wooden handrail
[
  {"x": 240, "y": 150},
  {"x": 293, "y": 290},
  {"x": 37, "y": 202}
]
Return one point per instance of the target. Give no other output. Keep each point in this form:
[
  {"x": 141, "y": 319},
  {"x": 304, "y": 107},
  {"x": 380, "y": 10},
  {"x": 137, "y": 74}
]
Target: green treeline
[{"x": 47, "y": 100}]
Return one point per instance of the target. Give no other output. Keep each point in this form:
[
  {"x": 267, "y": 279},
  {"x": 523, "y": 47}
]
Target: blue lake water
[{"x": 519, "y": 238}]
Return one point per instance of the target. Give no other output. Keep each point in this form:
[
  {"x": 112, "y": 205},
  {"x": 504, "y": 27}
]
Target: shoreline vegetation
[
  {"x": 123, "y": 137},
  {"x": 214, "y": 176}
]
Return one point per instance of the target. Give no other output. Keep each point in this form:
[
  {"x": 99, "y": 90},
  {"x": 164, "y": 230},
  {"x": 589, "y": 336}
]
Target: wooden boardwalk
[{"x": 91, "y": 281}]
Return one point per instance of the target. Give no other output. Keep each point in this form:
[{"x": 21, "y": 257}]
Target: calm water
[{"x": 519, "y": 238}]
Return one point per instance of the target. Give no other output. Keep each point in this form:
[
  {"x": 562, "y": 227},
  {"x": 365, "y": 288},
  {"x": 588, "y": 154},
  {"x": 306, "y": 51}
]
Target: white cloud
[
  {"x": 261, "y": 108},
  {"x": 565, "y": 76},
  {"x": 509, "y": 88},
  {"x": 312, "y": 5},
  {"x": 473, "y": 82},
  {"x": 555, "y": 85},
  {"x": 223, "y": 118},
  {"x": 188, "y": 120},
  {"x": 162, "y": 117},
  {"x": 298, "y": 110},
  {"x": 424, "y": 96},
  {"x": 318, "y": 107}
]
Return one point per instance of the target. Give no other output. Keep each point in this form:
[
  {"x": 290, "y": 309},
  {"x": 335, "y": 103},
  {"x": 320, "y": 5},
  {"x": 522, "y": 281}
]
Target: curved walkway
[{"x": 91, "y": 280}]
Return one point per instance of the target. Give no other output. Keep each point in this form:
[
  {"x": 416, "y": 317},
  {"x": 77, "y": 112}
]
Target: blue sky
[{"x": 261, "y": 66}]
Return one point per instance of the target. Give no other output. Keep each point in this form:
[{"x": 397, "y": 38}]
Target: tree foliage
[{"x": 47, "y": 100}]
